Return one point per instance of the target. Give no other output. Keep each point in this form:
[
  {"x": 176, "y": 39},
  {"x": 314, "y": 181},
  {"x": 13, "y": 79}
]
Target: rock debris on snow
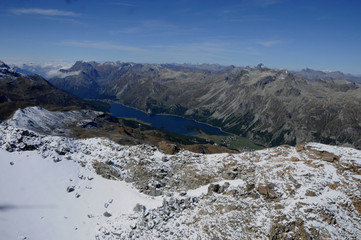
[{"x": 310, "y": 191}]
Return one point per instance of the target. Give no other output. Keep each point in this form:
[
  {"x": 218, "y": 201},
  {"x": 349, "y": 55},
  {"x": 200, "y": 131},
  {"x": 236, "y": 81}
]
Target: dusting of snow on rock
[
  {"x": 47, "y": 122},
  {"x": 7, "y": 72},
  {"x": 95, "y": 188}
]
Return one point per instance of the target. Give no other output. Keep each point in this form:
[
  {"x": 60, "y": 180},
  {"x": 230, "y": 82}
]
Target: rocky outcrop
[{"x": 278, "y": 193}]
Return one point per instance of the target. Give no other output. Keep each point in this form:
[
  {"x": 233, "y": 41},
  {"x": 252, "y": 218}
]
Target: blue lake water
[{"x": 167, "y": 123}]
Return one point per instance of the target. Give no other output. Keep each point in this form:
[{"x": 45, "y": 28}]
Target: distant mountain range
[
  {"x": 270, "y": 107},
  {"x": 19, "y": 90},
  {"x": 57, "y": 69},
  {"x": 314, "y": 75}
]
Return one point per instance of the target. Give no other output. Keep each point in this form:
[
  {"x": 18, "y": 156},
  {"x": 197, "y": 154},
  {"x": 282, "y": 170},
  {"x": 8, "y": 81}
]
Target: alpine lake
[{"x": 183, "y": 126}]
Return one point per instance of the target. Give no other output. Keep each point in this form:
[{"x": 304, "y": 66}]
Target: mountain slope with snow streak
[
  {"x": 309, "y": 191},
  {"x": 47, "y": 122}
]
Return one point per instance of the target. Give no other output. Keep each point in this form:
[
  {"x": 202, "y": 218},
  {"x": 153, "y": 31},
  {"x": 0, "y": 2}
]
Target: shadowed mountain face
[
  {"x": 268, "y": 106},
  {"x": 19, "y": 91}
]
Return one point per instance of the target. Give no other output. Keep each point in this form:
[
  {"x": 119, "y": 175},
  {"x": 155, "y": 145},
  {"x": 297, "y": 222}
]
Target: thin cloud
[
  {"x": 147, "y": 26},
  {"x": 246, "y": 5},
  {"x": 101, "y": 45},
  {"x": 44, "y": 12},
  {"x": 57, "y": 73},
  {"x": 265, "y": 3},
  {"x": 155, "y": 28},
  {"x": 270, "y": 43},
  {"x": 226, "y": 11},
  {"x": 207, "y": 48},
  {"x": 251, "y": 19},
  {"x": 201, "y": 52},
  {"x": 68, "y": 20},
  {"x": 122, "y": 4}
]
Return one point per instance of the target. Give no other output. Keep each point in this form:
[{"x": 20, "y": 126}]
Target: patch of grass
[
  {"x": 170, "y": 136},
  {"x": 231, "y": 141},
  {"x": 210, "y": 137},
  {"x": 98, "y": 105},
  {"x": 135, "y": 123},
  {"x": 244, "y": 142}
]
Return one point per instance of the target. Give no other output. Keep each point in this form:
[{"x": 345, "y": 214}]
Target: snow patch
[{"x": 35, "y": 202}]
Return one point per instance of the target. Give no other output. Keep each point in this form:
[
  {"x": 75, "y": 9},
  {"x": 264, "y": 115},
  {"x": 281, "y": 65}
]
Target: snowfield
[
  {"x": 35, "y": 202},
  {"x": 54, "y": 187}
]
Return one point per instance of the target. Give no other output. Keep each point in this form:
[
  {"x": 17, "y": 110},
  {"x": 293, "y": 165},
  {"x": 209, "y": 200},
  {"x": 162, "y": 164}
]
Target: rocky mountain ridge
[
  {"x": 309, "y": 191},
  {"x": 19, "y": 90},
  {"x": 270, "y": 107},
  {"x": 6, "y": 71}
]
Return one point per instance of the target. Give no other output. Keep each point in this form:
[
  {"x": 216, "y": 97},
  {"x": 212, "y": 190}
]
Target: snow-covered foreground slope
[
  {"x": 36, "y": 203},
  {"x": 303, "y": 192}
]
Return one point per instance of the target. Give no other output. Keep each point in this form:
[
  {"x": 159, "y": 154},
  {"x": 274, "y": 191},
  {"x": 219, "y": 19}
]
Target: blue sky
[{"x": 290, "y": 34}]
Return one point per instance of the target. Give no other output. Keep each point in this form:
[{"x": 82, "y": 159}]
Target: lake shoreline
[
  {"x": 161, "y": 114},
  {"x": 170, "y": 115}
]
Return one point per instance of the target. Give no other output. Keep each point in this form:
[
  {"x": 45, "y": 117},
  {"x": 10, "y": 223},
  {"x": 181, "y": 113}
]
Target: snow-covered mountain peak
[
  {"x": 6, "y": 71},
  {"x": 3, "y": 65}
]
